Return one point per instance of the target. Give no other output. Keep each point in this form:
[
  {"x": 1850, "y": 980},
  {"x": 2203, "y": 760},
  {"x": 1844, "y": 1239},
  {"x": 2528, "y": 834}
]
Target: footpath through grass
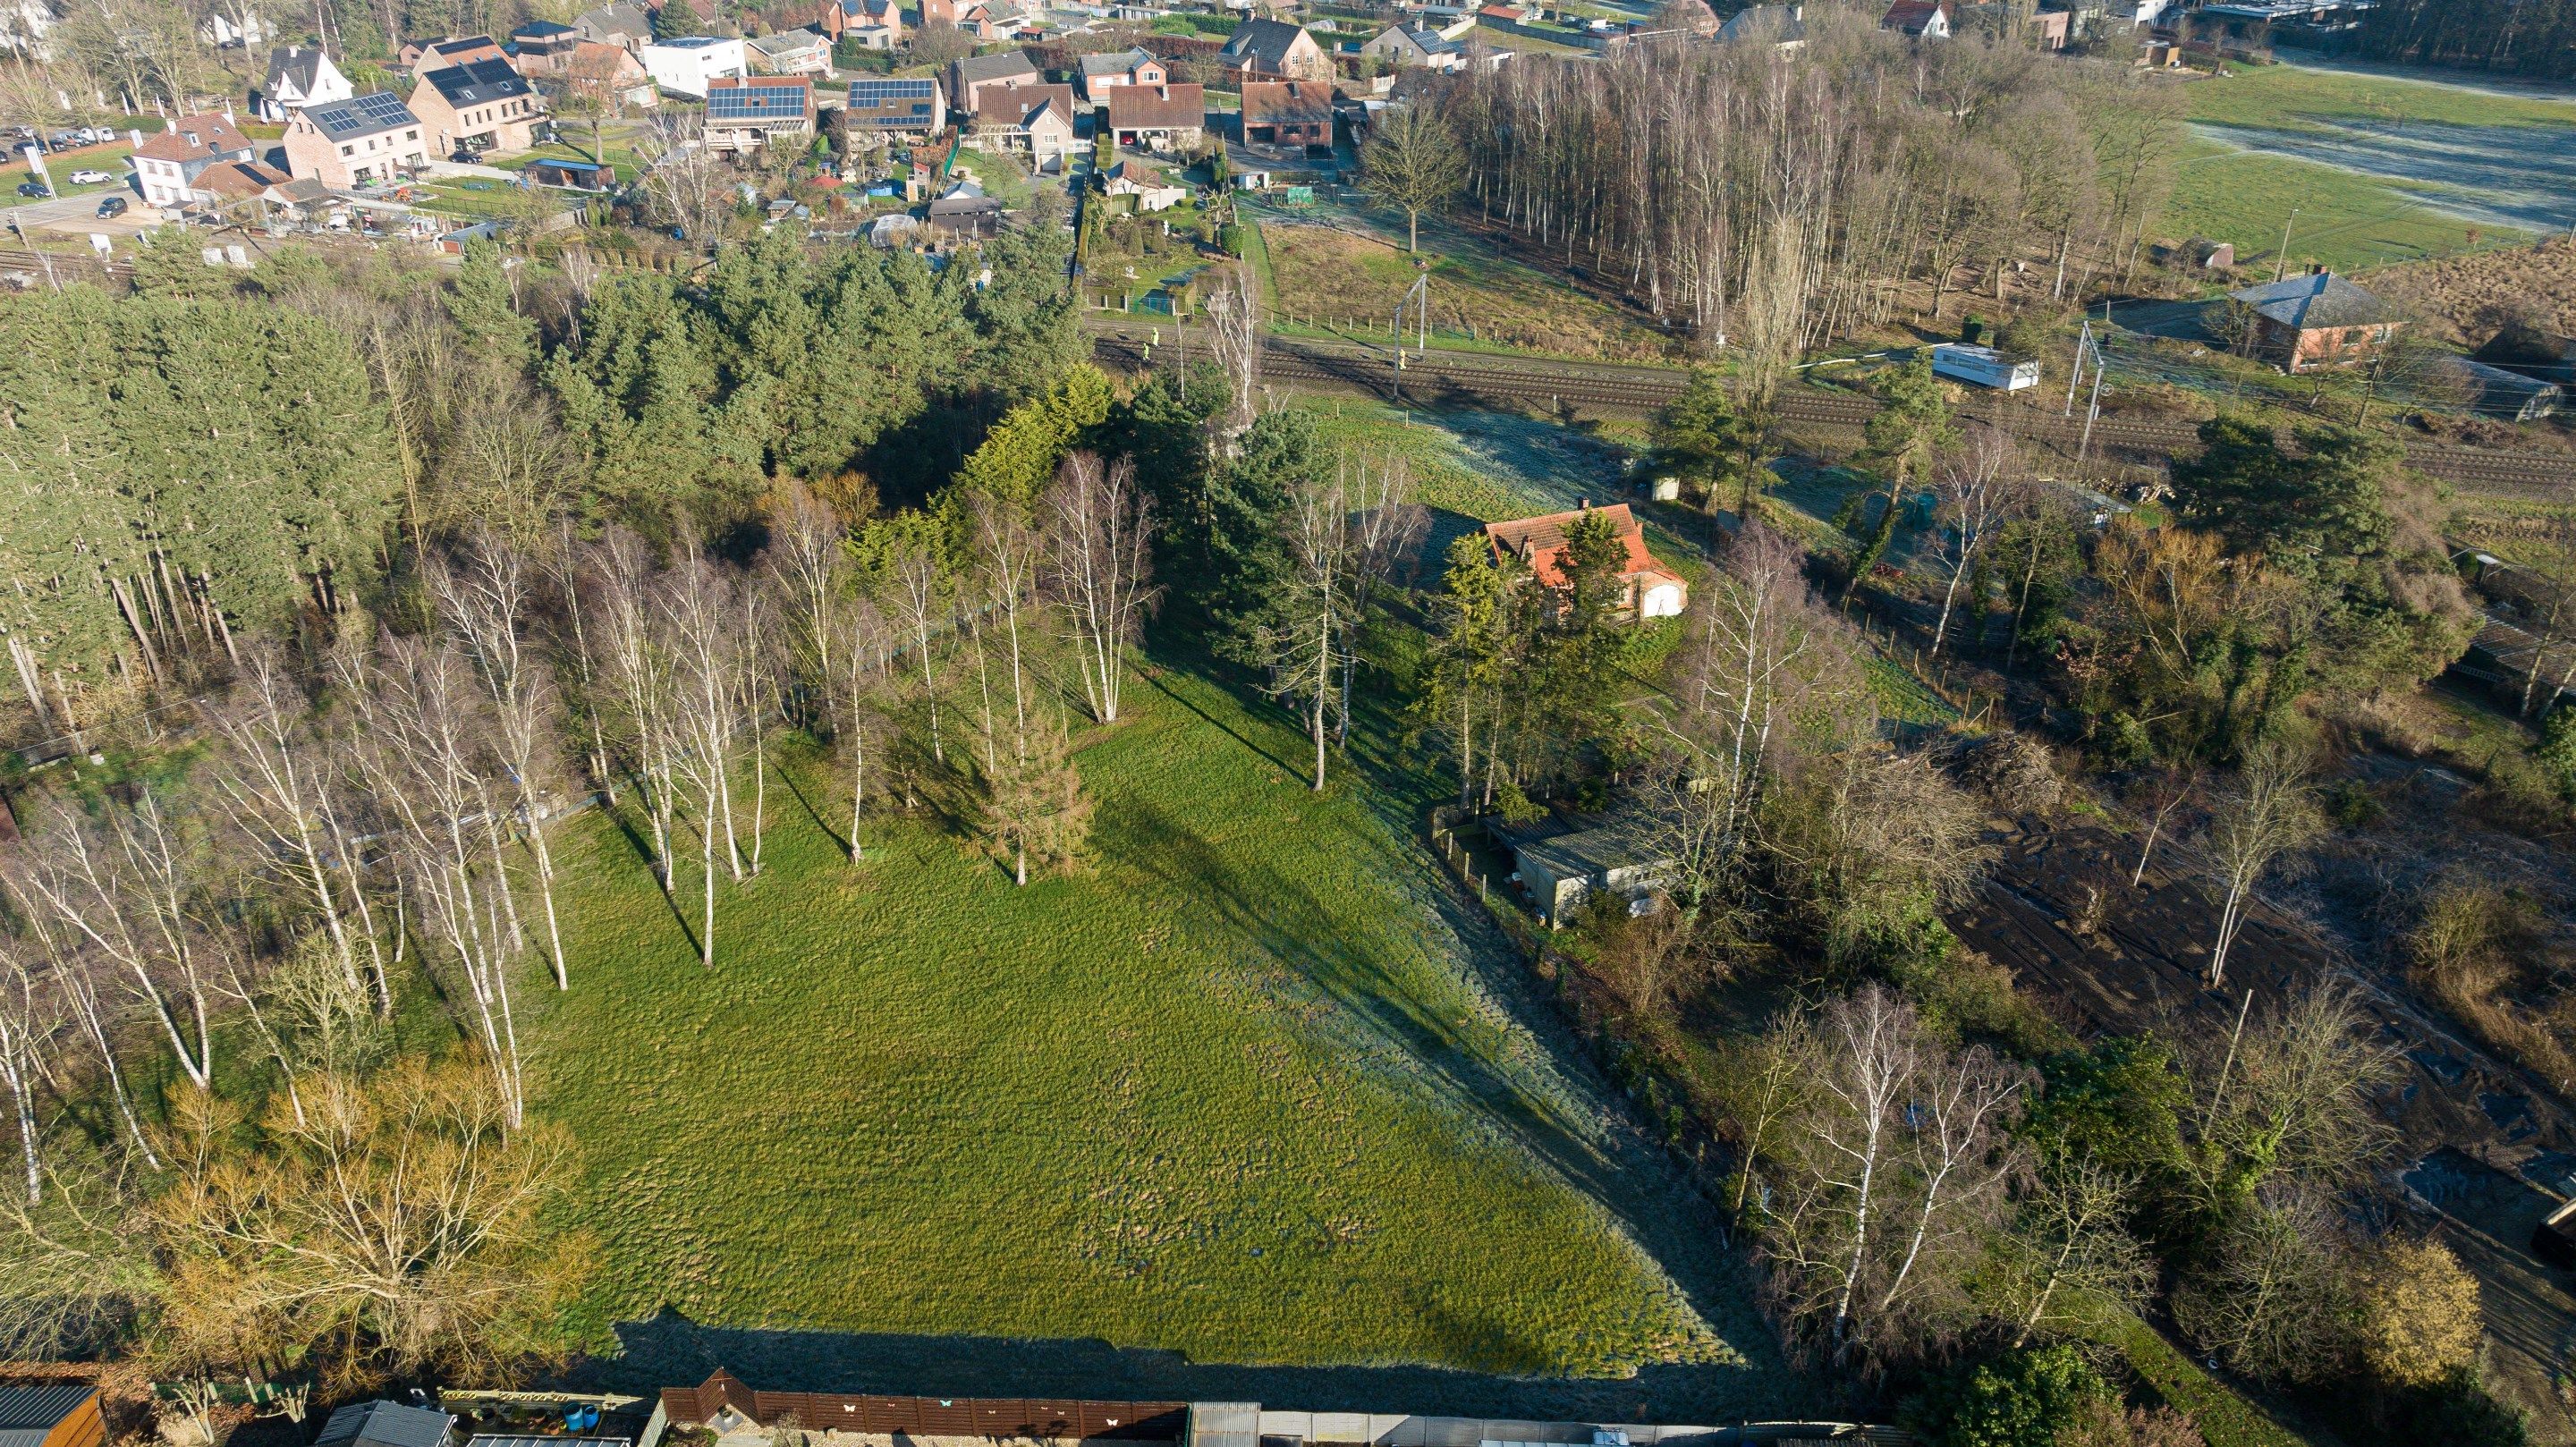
[{"x": 1236, "y": 1091}]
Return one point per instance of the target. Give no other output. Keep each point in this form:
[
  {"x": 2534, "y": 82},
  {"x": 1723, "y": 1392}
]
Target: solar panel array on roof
[
  {"x": 361, "y": 115},
  {"x": 477, "y": 82},
  {"x": 756, "y": 102},
  {"x": 878, "y": 92}
]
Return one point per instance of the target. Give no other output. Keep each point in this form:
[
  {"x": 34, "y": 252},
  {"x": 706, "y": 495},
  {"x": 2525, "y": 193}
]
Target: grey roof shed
[{"x": 385, "y": 1424}]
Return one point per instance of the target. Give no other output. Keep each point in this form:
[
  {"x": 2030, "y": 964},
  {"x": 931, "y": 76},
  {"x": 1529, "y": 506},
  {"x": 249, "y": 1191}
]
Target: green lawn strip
[
  {"x": 1226, "y": 1093},
  {"x": 116, "y": 159},
  {"x": 2223, "y": 1415},
  {"x": 624, "y": 164},
  {"x": 2347, "y": 220},
  {"x": 2291, "y": 97}
]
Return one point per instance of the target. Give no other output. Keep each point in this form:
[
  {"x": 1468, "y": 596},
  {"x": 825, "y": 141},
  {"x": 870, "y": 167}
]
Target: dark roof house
[
  {"x": 477, "y": 82},
  {"x": 2318, "y": 320},
  {"x": 1274, "y": 50},
  {"x": 385, "y": 1424},
  {"x": 967, "y": 76}
]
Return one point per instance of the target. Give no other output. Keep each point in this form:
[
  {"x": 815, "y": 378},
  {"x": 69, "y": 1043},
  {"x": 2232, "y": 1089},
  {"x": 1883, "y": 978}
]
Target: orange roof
[{"x": 1540, "y": 542}]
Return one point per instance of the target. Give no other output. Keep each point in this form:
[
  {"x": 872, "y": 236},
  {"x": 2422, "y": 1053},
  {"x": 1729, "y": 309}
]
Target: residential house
[
  {"x": 1273, "y": 50},
  {"x": 544, "y": 48},
  {"x": 684, "y": 65},
  {"x": 167, "y": 165},
  {"x": 386, "y": 1424},
  {"x": 232, "y": 31},
  {"x": 483, "y": 108},
  {"x": 1782, "y": 27},
  {"x": 1921, "y": 19},
  {"x": 1158, "y": 117},
  {"x": 744, "y": 115},
  {"x": 2046, "y": 29},
  {"x": 972, "y": 16},
  {"x": 1413, "y": 45},
  {"x": 1008, "y": 67},
  {"x": 233, "y": 184},
  {"x": 622, "y": 24},
  {"x": 1648, "y": 589},
  {"x": 789, "y": 52},
  {"x": 867, "y": 24},
  {"x": 298, "y": 75},
  {"x": 1288, "y": 114},
  {"x": 593, "y": 69},
  {"x": 365, "y": 138},
  {"x": 1152, "y": 189},
  {"x": 1035, "y": 121},
  {"x": 51, "y": 1414},
  {"x": 439, "y": 54},
  {"x": 2309, "y": 323},
  {"x": 1100, "y": 73},
  {"x": 909, "y": 106}
]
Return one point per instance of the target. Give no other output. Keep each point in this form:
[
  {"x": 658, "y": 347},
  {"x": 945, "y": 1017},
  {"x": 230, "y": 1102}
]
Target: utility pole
[
  {"x": 2075, "y": 378},
  {"x": 2281, "y": 267}
]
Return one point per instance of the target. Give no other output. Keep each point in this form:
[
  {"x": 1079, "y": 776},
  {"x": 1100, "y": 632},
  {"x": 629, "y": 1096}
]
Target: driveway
[{"x": 78, "y": 215}]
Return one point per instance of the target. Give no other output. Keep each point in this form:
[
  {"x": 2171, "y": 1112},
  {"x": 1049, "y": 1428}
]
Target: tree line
[{"x": 1779, "y": 200}]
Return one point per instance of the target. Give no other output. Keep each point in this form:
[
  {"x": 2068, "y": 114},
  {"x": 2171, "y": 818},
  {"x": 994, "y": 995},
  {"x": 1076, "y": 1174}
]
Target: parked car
[
  {"x": 91, "y": 178},
  {"x": 462, "y": 156},
  {"x": 112, "y": 206},
  {"x": 59, "y": 141},
  {"x": 34, "y": 188}
]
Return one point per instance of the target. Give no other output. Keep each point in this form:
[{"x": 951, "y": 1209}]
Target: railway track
[{"x": 1465, "y": 379}]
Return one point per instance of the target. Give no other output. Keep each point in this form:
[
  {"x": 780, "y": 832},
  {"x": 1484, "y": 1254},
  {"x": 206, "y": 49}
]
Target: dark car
[
  {"x": 112, "y": 206},
  {"x": 462, "y": 156},
  {"x": 34, "y": 188}
]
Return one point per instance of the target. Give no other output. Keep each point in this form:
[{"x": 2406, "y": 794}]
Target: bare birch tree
[
  {"x": 1234, "y": 324},
  {"x": 1972, "y": 488},
  {"x": 2267, "y": 813},
  {"x": 123, "y": 886},
  {"x": 1302, "y": 639},
  {"x": 640, "y": 683},
  {"x": 487, "y": 600},
  {"x": 698, "y": 613},
  {"x": 281, "y": 784},
  {"x": 26, "y": 1023},
  {"x": 1099, "y": 566}
]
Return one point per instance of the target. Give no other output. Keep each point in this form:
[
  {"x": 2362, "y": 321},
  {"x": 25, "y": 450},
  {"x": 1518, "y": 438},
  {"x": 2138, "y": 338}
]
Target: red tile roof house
[
  {"x": 1159, "y": 117},
  {"x": 1648, "y": 588},
  {"x": 1287, "y": 114},
  {"x": 168, "y": 164}
]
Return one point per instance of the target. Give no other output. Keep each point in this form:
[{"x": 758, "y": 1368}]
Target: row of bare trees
[
  {"x": 1776, "y": 200},
  {"x": 390, "y": 807}
]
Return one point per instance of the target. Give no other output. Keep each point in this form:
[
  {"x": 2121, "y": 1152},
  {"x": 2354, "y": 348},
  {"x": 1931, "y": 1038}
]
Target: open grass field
[
  {"x": 1240, "y": 1090},
  {"x": 1337, "y": 280},
  {"x": 2381, "y": 170}
]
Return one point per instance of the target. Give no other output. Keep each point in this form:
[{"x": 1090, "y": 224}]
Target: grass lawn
[
  {"x": 1236, "y": 1091},
  {"x": 2381, "y": 170},
  {"x": 2291, "y": 97},
  {"x": 621, "y": 160},
  {"x": 1332, "y": 280},
  {"x": 2346, "y": 220},
  {"x": 116, "y": 158}
]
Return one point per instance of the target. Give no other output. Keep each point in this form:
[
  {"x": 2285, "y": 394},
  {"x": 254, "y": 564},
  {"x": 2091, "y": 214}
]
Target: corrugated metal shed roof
[
  {"x": 385, "y": 1424},
  {"x": 28, "y": 1412}
]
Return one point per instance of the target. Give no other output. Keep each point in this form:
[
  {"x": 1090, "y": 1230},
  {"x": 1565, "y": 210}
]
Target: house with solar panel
[
  {"x": 483, "y": 108},
  {"x": 1035, "y": 121},
  {"x": 912, "y": 106},
  {"x": 363, "y": 140},
  {"x": 745, "y": 115}
]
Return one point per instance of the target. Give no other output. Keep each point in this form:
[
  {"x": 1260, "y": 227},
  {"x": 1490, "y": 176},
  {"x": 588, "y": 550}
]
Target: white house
[
  {"x": 684, "y": 65},
  {"x": 298, "y": 76},
  {"x": 167, "y": 165}
]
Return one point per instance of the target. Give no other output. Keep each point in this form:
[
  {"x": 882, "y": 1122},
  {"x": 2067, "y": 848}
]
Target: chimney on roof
[
  {"x": 2316, "y": 268},
  {"x": 228, "y": 116},
  {"x": 1583, "y": 504}
]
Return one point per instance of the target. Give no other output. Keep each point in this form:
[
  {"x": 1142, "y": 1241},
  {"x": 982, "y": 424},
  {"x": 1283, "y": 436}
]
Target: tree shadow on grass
[
  {"x": 669, "y": 1350},
  {"x": 1620, "y": 1172}
]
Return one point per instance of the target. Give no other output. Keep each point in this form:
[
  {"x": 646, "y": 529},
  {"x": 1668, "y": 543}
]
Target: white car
[{"x": 91, "y": 178}]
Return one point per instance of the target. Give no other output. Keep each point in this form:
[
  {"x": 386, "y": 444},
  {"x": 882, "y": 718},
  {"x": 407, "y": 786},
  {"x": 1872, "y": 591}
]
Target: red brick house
[
  {"x": 1287, "y": 114},
  {"x": 1648, "y": 588},
  {"x": 2309, "y": 323}
]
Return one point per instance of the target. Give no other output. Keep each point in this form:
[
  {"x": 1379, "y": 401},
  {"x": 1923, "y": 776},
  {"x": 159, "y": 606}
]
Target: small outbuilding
[
  {"x": 50, "y": 1414},
  {"x": 386, "y": 1424},
  {"x": 2320, "y": 320},
  {"x": 1562, "y": 871}
]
